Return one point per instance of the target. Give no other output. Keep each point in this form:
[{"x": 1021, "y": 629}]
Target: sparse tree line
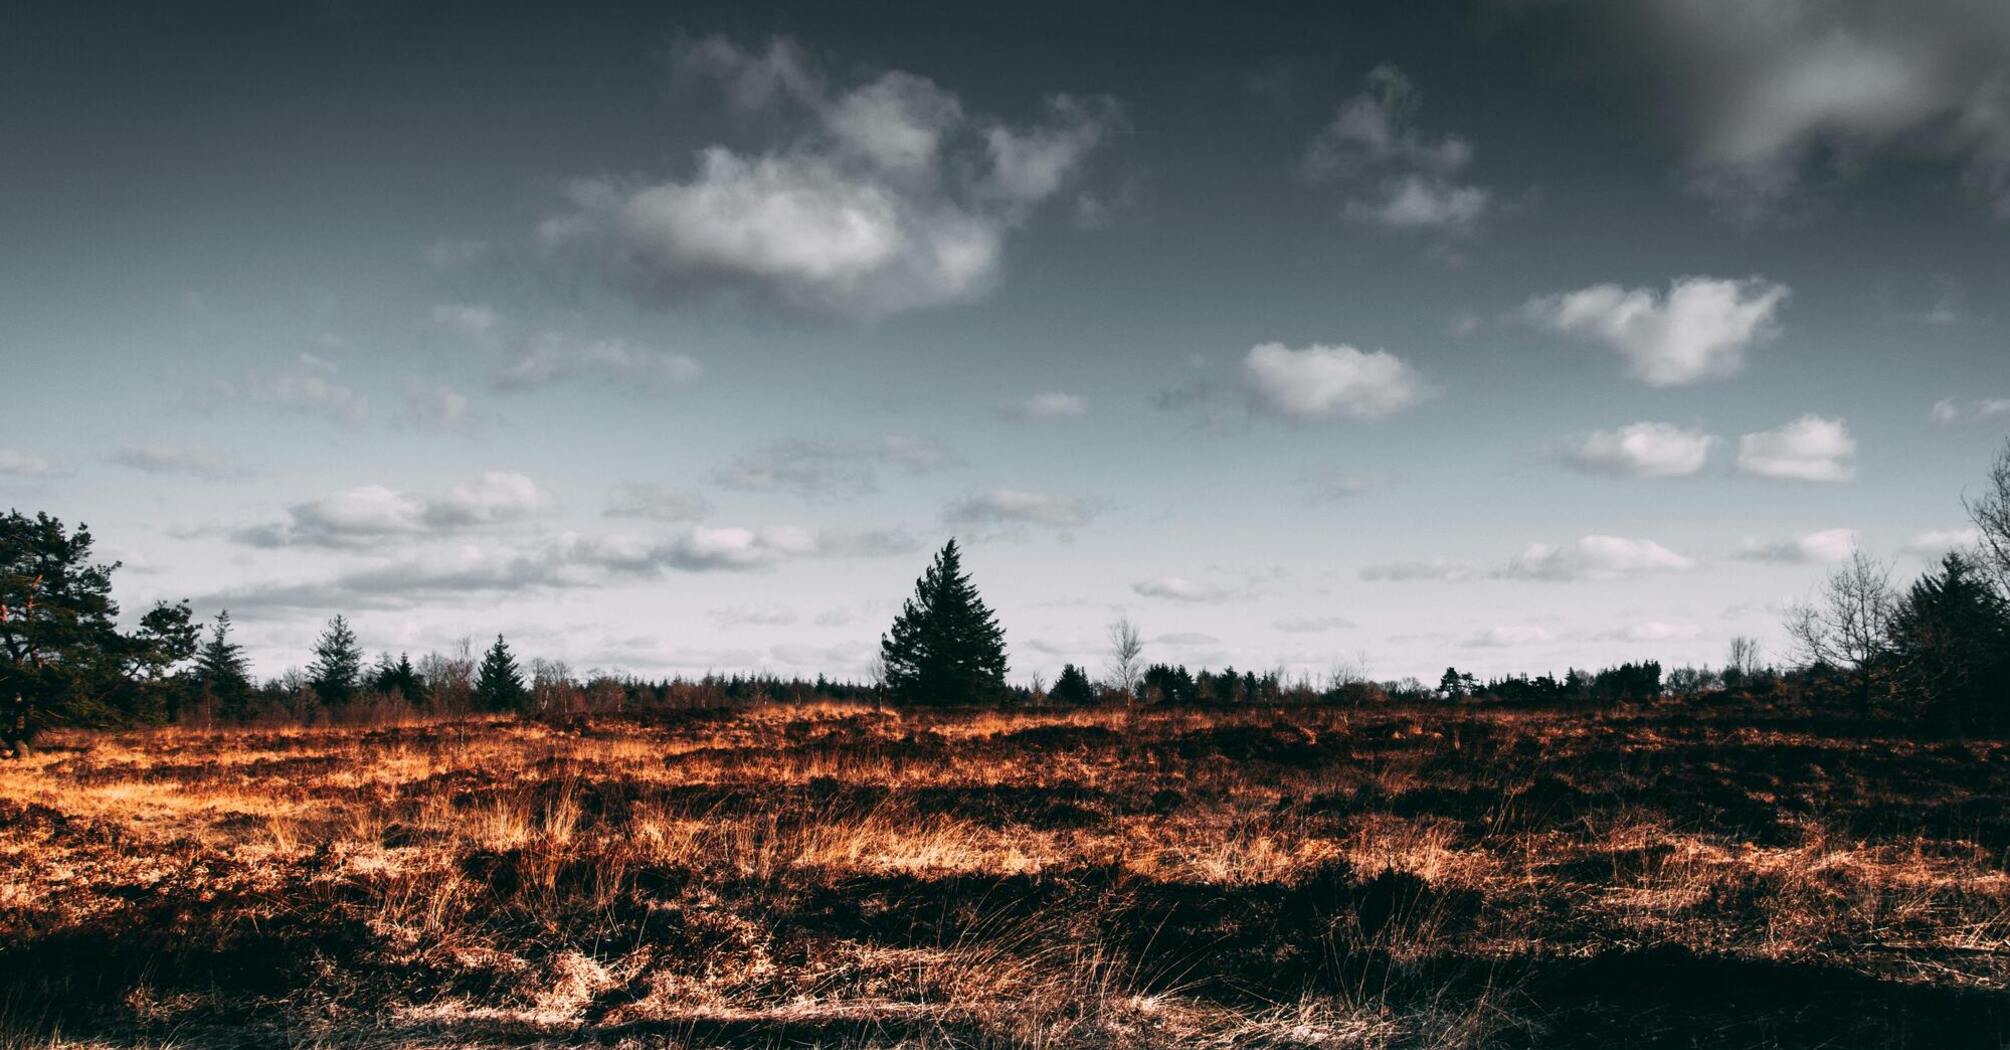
[{"x": 1937, "y": 652}]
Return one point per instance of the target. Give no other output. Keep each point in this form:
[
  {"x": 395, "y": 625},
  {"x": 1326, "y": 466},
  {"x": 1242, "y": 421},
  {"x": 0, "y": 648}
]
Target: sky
[{"x": 670, "y": 338}]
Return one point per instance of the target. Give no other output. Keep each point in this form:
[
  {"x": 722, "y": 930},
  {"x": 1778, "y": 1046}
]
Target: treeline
[
  {"x": 341, "y": 686},
  {"x": 1628, "y": 682},
  {"x": 1936, "y": 652}
]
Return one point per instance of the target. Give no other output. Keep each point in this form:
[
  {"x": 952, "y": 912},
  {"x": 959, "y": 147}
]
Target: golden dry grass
[{"x": 849, "y": 876}]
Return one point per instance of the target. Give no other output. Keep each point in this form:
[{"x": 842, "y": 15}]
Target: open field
[{"x": 849, "y": 876}]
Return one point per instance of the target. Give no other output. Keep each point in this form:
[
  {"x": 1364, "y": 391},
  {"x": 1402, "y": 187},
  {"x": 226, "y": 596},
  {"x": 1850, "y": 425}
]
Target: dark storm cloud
[{"x": 1769, "y": 92}]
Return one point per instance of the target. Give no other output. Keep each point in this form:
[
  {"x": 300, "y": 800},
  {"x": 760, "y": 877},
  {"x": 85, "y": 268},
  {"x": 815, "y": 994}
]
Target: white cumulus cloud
[
  {"x": 16, "y": 463},
  {"x": 169, "y": 459},
  {"x": 896, "y": 199},
  {"x": 552, "y": 357},
  {"x": 367, "y": 514},
  {"x": 1811, "y": 448},
  {"x": 1181, "y": 589},
  {"x": 1050, "y": 405},
  {"x": 1644, "y": 450},
  {"x": 1951, "y": 411},
  {"x": 1934, "y": 543},
  {"x": 1390, "y": 174},
  {"x": 1323, "y": 382},
  {"x": 1826, "y": 545},
  {"x": 1700, "y": 330},
  {"x": 1000, "y": 507},
  {"x": 1508, "y": 636},
  {"x": 1594, "y": 558}
]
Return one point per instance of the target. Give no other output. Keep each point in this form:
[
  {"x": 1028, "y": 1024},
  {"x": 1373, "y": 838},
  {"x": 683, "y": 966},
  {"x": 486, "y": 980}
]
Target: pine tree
[
  {"x": 499, "y": 685},
  {"x": 945, "y": 647},
  {"x": 1072, "y": 687},
  {"x": 221, "y": 671},
  {"x": 338, "y": 664},
  {"x": 1950, "y": 637},
  {"x": 396, "y": 677}
]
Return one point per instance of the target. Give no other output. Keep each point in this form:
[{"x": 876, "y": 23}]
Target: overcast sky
[{"x": 670, "y": 337}]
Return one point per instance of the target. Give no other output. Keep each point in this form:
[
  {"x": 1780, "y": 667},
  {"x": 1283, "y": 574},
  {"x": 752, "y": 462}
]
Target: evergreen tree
[
  {"x": 1950, "y": 639},
  {"x": 59, "y": 640},
  {"x": 167, "y": 636},
  {"x": 945, "y": 647},
  {"x": 1072, "y": 687},
  {"x": 396, "y": 677},
  {"x": 338, "y": 664},
  {"x": 1170, "y": 684},
  {"x": 221, "y": 672},
  {"x": 499, "y": 685}
]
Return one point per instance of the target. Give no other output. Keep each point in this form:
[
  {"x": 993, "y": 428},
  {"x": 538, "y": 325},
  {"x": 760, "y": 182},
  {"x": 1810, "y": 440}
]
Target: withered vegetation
[{"x": 850, "y": 876}]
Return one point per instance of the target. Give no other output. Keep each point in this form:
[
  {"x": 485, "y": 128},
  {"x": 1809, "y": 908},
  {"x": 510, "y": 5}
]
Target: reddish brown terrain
[{"x": 844, "y": 876}]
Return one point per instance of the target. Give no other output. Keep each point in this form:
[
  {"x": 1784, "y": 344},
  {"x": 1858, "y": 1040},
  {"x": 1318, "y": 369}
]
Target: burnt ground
[{"x": 844, "y": 876}]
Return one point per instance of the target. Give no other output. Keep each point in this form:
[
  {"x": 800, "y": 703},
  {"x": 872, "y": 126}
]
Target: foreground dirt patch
[{"x": 851, "y": 877}]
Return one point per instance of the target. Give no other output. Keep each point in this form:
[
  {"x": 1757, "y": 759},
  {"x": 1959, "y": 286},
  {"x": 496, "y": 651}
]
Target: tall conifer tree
[
  {"x": 221, "y": 671},
  {"x": 945, "y": 647},
  {"x": 499, "y": 685},
  {"x": 338, "y": 664},
  {"x": 1950, "y": 638}
]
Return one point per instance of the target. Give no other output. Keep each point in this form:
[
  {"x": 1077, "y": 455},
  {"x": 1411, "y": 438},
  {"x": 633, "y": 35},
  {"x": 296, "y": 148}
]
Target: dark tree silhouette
[
  {"x": 945, "y": 647},
  {"x": 499, "y": 685},
  {"x": 167, "y": 637},
  {"x": 1170, "y": 684},
  {"x": 1072, "y": 687},
  {"x": 338, "y": 664},
  {"x": 60, "y": 646},
  {"x": 221, "y": 672},
  {"x": 396, "y": 677},
  {"x": 1950, "y": 641}
]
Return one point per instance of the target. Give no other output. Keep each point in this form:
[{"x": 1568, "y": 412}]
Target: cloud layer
[{"x": 368, "y": 514}]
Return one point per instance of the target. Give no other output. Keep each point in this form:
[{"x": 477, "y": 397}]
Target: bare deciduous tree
[
  {"x": 1347, "y": 671},
  {"x": 1990, "y": 512},
  {"x": 450, "y": 677},
  {"x": 1846, "y": 624},
  {"x": 1126, "y": 656},
  {"x": 1744, "y": 656},
  {"x": 553, "y": 690}
]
